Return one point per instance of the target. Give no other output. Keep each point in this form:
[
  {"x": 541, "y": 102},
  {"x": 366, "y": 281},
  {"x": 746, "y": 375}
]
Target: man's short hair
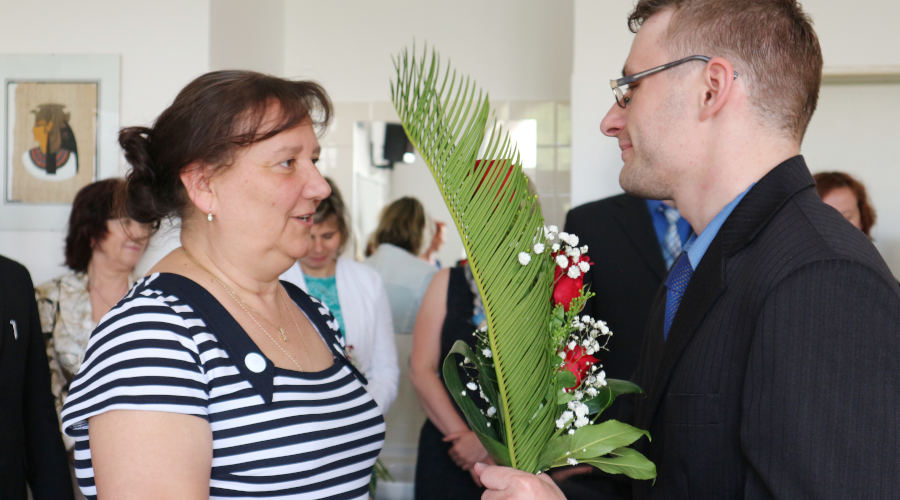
[{"x": 771, "y": 43}]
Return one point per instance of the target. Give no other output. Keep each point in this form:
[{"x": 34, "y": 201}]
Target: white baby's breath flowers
[
  {"x": 491, "y": 411},
  {"x": 573, "y": 272},
  {"x": 562, "y": 261},
  {"x": 555, "y": 247},
  {"x": 581, "y": 409},
  {"x": 566, "y": 417},
  {"x": 538, "y": 248},
  {"x": 584, "y": 266},
  {"x": 571, "y": 461},
  {"x": 524, "y": 258},
  {"x": 486, "y": 352},
  {"x": 472, "y": 386}
]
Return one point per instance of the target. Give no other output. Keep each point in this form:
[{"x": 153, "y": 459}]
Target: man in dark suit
[
  {"x": 627, "y": 241},
  {"x": 31, "y": 450},
  {"x": 632, "y": 242},
  {"x": 770, "y": 359}
]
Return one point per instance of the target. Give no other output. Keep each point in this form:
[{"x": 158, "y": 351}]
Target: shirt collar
[{"x": 696, "y": 245}]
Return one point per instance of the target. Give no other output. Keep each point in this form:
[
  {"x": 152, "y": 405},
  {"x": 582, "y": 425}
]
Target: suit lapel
[
  {"x": 632, "y": 214},
  {"x": 708, "y": 283},
  {"x": 5, "y": 327}
]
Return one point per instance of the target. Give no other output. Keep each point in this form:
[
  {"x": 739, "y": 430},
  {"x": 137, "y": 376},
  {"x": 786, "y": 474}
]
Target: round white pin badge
[{"x": 255, "y": 362}]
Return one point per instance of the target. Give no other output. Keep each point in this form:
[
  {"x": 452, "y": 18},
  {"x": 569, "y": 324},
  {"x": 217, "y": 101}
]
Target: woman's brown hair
[
  {"x": 210, "y": 120},
  {"x": 402, "y": 224},
  {"x": 94, "y": 204},
  {"x": 333, "y": 207},
  {"x": 829, "y": 181}
]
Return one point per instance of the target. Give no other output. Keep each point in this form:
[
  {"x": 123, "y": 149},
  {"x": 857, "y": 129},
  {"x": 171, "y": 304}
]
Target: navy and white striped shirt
[{"x": 277, "y": 433}]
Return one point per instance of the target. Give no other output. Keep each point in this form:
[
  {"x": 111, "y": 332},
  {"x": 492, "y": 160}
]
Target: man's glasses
[{"x": 617, "y": 85}]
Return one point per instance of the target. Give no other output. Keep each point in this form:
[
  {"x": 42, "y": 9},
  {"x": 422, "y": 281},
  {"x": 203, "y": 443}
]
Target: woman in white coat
[{"x": 355, "y": 295}]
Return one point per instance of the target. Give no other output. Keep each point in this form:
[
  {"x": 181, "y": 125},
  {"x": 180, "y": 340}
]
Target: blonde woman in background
[
  {"x": 102, "y": 248},
  {"x": 398, "y": 242},
  {"x": 355, "y": 295}
]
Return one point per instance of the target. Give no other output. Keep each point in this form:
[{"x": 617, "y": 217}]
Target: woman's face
[
  {"x": 325, "y": 242},
  {"x": 264, "y": 202},
  {"x": 124, "y": 244},
  {"x": 844, "y": 201}
]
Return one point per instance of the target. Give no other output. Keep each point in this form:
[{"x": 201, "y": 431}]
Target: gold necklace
[
  {"x": 293, "y": 317},
  {"x": 246, "y": 309}
]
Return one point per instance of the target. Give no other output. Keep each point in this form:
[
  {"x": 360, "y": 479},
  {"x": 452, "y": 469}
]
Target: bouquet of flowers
[{"x": 532, "y": 388}]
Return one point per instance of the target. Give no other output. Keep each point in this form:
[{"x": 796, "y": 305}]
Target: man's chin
[{"x": 641, "y": 186}]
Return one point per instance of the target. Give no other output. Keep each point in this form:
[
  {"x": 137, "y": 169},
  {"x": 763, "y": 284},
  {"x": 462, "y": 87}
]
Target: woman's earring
[{"x": 209, "y": 216}]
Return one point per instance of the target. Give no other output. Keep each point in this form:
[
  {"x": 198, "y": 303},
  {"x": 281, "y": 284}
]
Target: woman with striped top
[{"x": 212, "y": 379}]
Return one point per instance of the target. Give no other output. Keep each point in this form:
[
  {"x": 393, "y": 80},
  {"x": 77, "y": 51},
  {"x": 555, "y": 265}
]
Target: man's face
[{"x": 651, "y": 130}]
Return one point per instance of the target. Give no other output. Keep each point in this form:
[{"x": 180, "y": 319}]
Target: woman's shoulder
[
  {"x": 154, "y": 295},
  {"x": 358, "y": 270},
  {"x": 62, "y": 286}
]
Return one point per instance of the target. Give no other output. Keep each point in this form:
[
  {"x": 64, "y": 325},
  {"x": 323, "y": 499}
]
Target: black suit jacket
[
  {"x": 30, "y": 445},
  {"x": 779, "y": 376},
  {"x": 628, "y": 269}
]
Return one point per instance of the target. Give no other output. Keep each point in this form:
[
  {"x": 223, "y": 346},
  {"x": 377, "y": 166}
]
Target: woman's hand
[{"x": 466, "y": 449}]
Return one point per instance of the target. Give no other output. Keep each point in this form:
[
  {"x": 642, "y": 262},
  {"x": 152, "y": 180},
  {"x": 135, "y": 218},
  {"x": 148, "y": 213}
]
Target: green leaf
[
  {"x": 590, "y": 441},
  {"x": 448, "y": 120},
  {"x": 624, "y": 461},
  {"x": 599, "y": 403},
  {"x": 564, "y": 380},
  {"x": 477, "y": 421},
  {"x": 495, "y": 448},
  {"x": 620, "y": 387}
]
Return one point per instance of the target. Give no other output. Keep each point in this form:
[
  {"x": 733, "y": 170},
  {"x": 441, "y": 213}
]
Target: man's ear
[
  {"x": 718, "y": 79},
  {"x": 196, "y": 179}
]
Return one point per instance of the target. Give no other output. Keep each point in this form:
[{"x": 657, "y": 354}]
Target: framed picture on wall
[{"x": 59, "y": 116}]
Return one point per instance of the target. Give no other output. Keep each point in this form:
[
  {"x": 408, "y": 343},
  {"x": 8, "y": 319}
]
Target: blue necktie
[
  {"x": 676, "y": 283},
  {"x": 671, "y": 241}
]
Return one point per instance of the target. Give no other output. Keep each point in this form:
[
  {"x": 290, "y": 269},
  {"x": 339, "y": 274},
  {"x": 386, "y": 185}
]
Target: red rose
[
  {"x": 565, "y": 288},
  {"x": 578, "y": 363}
]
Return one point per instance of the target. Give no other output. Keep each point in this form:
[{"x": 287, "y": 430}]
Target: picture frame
[{"x": 59, "y": 120}]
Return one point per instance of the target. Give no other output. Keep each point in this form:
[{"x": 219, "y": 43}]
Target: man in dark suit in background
[
  {"x": 770, "y": 358},
  {"x": 31, "y": 449},
  {"x": 632, "y": 243}
]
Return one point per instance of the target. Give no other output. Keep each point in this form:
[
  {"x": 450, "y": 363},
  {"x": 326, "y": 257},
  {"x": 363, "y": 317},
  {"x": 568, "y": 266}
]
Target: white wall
[
  {"x": 855, "y": 128},
  {"x": 519, "y": 49},
  {"x": 163, "y": 44},
  {"x": 247, "y": 35}
]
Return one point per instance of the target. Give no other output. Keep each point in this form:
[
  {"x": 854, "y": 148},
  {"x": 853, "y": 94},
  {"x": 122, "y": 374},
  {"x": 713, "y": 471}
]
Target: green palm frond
[{"x": 447, "y": 118}]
